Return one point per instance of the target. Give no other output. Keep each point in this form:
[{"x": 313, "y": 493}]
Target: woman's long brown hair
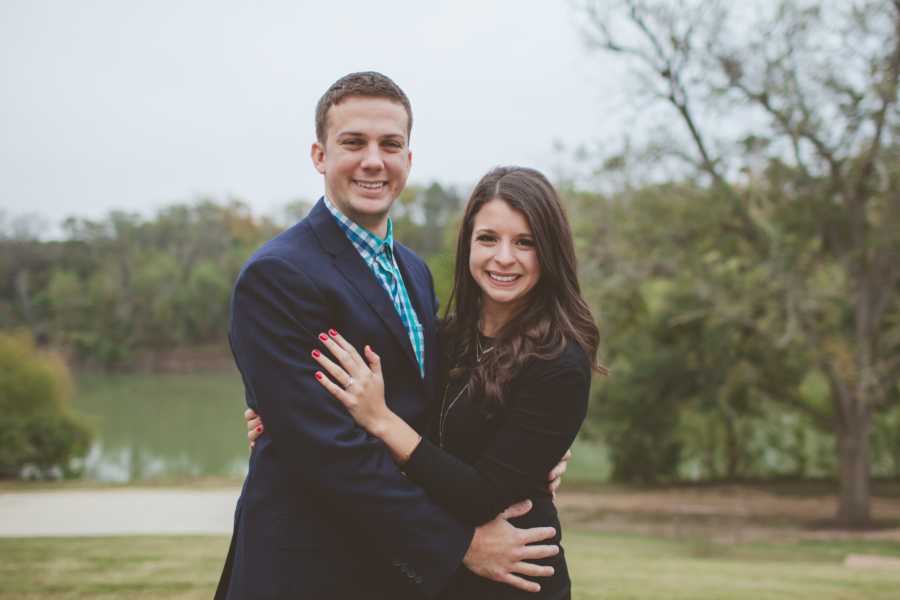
[{"x": 553, "y": 312}]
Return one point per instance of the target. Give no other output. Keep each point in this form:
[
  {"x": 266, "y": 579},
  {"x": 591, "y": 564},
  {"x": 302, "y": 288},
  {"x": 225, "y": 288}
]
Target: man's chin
[{"x": 372, "y": 207}]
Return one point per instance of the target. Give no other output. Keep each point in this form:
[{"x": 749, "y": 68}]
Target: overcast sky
[{"x": 111, "y": 104}]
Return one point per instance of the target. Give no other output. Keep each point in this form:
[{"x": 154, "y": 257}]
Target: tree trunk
[
  {"x": 854, "y": 505},
  {"x": 732, "y": 448}
]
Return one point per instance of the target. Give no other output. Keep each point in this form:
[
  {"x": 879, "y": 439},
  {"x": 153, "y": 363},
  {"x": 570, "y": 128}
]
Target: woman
[{"x": 518, "y": 346}]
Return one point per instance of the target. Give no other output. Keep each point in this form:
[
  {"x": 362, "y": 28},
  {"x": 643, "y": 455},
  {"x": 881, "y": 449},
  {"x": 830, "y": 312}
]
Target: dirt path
[
  {"x": 117, "y": 512},
  {"x": 725, "y": 513}
]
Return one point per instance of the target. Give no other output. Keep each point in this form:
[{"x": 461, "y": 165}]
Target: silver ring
[{"x": 349, "y": 383}]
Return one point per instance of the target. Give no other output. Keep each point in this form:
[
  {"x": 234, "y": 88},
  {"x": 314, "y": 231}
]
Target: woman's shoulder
[
  {"x": 571, "y": 360},
  {"x": 556, "y": 388}
]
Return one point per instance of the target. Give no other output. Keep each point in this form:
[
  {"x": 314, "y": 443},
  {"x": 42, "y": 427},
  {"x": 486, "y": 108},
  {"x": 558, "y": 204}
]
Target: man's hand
[
  {"x": 499, "y": 551},
  {"x": 555, "y": 477}
]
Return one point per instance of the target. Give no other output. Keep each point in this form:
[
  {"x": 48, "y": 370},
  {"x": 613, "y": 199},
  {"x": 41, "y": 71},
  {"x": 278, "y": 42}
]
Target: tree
[
  {"x": 678, "y": 303},
  {"x": 808, "y": 164}
]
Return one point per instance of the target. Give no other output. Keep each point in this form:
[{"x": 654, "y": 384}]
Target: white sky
[{"x": 133, "y": 105}]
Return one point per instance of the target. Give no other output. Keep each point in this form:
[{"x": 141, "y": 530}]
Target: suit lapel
[{"x": 351, "y": 265}]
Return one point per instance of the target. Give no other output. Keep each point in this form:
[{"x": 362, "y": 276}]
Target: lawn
[{"x": 607, "y": 566}]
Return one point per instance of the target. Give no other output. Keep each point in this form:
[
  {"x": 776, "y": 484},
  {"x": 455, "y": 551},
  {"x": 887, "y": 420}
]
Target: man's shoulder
[
  {"x": 289, "y": 245},
  {"x": 293, "y": 249}
]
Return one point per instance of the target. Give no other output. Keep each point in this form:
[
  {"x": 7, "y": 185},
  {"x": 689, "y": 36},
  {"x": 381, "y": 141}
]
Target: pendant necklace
[{"x": 480, "y": 351}]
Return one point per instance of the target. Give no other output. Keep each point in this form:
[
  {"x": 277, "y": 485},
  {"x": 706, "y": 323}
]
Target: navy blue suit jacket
[{"x": 324, "y": 511}]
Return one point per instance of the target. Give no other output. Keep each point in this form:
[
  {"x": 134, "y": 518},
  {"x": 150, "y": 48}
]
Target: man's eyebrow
[{"x": 389, "y": 136}]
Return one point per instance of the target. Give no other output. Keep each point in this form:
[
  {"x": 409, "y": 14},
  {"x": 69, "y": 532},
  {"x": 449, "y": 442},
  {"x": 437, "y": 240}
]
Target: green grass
[
  {"x": 604, "y": 566},
  {"x": 620, "y": 567},
  {"x": 112, "y": 567}
]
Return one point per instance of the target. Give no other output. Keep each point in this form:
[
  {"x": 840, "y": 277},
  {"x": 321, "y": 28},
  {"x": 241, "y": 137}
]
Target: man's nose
[{"x": 372, "y": 158}]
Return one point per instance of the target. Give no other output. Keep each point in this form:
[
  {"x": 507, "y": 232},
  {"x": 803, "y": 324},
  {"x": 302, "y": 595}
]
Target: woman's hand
[
  {"x": 254, "y": 426},
  {"x": 555, "y": 476},
  {"x": 359, "y": 386}
]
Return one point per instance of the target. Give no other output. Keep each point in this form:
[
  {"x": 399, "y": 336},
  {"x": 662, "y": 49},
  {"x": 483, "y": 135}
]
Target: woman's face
[{"x": 503, "y": 257}]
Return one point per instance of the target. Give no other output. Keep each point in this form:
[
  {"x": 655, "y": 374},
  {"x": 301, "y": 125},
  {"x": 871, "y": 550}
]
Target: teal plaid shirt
[{"x": 379, "y": 255}]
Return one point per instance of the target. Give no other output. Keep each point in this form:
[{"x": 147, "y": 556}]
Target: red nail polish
[
  {"x": 258, "y": 429},
  {"x": 323, "y": 337},
  {"x": 332, "y": 333},
  {"x": 319, "y": 375},
  {"x": 316, "y": 354}
]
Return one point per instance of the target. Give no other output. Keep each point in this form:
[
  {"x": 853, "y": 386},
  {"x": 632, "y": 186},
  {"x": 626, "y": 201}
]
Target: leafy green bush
[{"x": 38, "y": 430}]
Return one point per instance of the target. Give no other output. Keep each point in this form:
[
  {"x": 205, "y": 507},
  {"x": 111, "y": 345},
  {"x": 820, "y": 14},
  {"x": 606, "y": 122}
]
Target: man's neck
[{"x": 376, "y": 225}]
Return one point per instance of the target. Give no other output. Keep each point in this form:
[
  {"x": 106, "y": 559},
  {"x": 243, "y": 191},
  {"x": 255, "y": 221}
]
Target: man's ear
[{"x": 317, "y": 154}]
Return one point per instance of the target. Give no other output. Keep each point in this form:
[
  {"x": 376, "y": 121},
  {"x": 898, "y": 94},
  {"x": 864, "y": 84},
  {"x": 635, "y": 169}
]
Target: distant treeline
[{"x": 114, "y": 288}]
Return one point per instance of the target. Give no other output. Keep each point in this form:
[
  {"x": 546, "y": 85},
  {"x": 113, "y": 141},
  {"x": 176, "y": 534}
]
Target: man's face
[{"x": 365, "y": 158}]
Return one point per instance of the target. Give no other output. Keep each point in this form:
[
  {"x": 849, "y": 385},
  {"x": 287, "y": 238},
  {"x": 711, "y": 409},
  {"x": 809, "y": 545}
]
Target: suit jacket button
[{"x": 418, "y": 579}]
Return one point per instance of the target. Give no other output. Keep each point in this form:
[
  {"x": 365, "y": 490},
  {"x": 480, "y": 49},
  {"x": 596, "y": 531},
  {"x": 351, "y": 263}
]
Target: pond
[{"x": 163, "y": 426}]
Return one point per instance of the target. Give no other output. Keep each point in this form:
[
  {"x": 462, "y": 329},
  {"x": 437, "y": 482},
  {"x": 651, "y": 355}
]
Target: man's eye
[
  {"x": 352, "y": 142},
  {"x": 393, "y": 144}
]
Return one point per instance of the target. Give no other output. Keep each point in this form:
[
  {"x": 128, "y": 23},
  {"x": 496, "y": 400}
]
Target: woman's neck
[{"x": 494, "y": 317}]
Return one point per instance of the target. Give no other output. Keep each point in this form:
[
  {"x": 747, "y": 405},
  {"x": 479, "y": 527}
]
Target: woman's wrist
[
  {"x": 380, "y": 425},
  {"x": 400, "y": 439}
]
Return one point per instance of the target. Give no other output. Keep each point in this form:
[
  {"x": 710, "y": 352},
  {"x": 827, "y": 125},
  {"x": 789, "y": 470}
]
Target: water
[{"x": 163, "y": 426}]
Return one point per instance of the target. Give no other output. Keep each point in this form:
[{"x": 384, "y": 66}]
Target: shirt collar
[{"x": 364, "y": 240}]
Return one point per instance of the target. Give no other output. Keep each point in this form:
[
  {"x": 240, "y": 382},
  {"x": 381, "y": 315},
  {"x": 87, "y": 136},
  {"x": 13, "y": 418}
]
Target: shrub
[{"x": 38, "y": 429}]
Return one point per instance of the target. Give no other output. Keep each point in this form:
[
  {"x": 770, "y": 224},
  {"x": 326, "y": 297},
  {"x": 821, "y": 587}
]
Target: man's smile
[{"x": 374, "y": 186}]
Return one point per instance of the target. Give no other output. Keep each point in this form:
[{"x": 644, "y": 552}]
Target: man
[{"x": 324, "y": 511}]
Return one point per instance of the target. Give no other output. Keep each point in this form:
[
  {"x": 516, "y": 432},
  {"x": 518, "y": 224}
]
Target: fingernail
[
  {"x": 323, "y": 337},
  {"x": 332, "y": 333},
  {"x": 316, "y": 354},
  {"x": 259, "y": 429},
  {"x": 367, "y": 348},
  {"x": 319, "y": 375}
]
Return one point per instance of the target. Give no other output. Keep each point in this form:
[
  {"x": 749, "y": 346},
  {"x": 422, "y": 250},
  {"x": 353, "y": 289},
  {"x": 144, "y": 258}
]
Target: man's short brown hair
[{"x": 366, "y": 84}]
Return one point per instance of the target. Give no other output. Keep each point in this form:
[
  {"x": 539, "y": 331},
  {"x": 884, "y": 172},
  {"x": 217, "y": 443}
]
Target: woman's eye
[
  {"x": 527, "y": 243},
  {"x": 485, "y": 238}
]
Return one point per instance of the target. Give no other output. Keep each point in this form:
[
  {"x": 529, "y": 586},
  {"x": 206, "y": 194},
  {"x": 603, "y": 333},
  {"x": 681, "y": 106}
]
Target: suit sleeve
[
  {"x": 540, "y": 426},
  {"x": 277, "y": 312}
]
